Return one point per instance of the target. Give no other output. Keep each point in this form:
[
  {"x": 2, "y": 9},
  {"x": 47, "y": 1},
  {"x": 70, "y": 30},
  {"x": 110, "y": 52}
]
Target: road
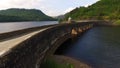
[{"x": 5, "y": 46}]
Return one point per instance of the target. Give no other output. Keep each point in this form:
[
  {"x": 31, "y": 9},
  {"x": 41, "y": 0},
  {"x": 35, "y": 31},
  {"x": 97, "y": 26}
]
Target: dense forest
[
  {"x": 15, "y": 14},
  {"x": 101, "y": 10}
]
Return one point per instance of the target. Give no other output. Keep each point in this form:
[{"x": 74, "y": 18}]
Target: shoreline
[{"x": 67, "y": 60}]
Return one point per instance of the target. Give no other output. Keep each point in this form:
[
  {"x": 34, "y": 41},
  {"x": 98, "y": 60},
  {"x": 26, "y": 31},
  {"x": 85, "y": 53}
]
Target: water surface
[
  {"x": 99, "y": 47},
  {"x": 12, "y": 26}
]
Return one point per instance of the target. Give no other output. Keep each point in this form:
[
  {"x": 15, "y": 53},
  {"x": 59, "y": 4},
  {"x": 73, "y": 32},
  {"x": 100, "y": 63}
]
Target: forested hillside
[
  {"x": 23, "y": 15},
  {"x": 101, "y": 10}
]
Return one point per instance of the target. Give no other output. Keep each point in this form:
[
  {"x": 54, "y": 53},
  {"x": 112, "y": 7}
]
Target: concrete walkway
[{"x": 6, "y": 46}]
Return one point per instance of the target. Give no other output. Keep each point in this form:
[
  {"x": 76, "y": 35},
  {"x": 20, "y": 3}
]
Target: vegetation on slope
[
  {"x": 15, "y": 14},
  {"x": 50, "y": 63},
  {"x": 117, "y": 22},
  {"x": 101, "y": 10}
]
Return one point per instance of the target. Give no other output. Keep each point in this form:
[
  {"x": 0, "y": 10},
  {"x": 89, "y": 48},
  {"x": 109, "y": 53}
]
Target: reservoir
[
  {"x": 98, "y": 47},
  {"x": 12, "y": 26}
]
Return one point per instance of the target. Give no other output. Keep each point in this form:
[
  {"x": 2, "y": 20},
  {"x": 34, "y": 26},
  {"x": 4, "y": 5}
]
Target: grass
[
  {"x": 50, "y": 63},
  {"x": 117, "y": 22}
]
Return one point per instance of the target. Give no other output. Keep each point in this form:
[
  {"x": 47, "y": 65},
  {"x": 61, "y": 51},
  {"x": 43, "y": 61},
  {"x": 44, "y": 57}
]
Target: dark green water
[{"x": 99, "y": 47}]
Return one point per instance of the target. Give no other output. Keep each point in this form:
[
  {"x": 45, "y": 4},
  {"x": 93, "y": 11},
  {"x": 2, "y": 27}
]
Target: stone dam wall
[{"x": 32, "y": 52}]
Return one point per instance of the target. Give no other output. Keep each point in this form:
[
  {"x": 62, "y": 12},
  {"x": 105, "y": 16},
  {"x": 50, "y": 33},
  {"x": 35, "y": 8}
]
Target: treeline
[
  {"x": 23, "y": 15},
  {"x": 101, "y": 10}
]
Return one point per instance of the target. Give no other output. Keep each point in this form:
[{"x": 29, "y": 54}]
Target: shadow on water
[
  {"x": 68, "y": 44},
  {"x": 64, "y": 47}
]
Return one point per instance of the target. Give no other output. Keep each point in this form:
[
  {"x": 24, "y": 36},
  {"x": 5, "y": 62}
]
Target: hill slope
[
  {"x": 15, "y": 14},
  {"x": 101, "y": 10}
]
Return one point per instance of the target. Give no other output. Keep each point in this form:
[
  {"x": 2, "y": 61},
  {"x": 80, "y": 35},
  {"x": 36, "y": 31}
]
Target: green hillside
[
  {"x": 101, "y": 10},
  {"x": 23, "y": 15}
]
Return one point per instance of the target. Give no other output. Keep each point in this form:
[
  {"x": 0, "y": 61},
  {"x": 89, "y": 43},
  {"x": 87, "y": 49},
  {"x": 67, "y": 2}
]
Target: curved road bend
[
  {"x": 18, "y": 33},
  {"x": 5, "y": 46}
]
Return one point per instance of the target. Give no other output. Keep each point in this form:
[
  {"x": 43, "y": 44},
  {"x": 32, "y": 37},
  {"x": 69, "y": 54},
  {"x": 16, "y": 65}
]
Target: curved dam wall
[
  {"x": 4, "y": 36},
  {"x": 31, "y": 52}
]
